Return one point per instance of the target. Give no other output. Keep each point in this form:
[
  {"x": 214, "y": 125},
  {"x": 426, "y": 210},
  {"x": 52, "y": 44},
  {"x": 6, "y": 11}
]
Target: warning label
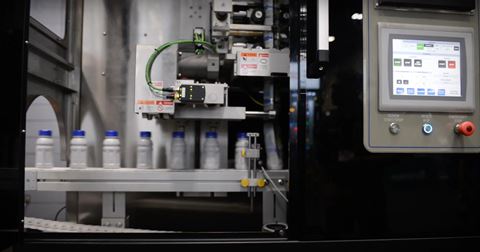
[
  {"x": 155, "y": 106},
  {"x": 154, "y": 102},
  {"x": 150, "y": 102},
  {"x": 253, "y": 64}
]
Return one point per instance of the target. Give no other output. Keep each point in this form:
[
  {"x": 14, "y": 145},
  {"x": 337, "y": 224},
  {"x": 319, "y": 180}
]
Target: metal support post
[{"x": 113, "y": 209}]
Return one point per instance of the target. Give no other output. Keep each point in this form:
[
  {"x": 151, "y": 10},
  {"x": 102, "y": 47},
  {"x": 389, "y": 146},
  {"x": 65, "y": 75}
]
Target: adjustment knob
[{"x": 466, "y": 128}]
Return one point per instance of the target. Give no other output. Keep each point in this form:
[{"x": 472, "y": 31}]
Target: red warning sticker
[
  {"x": 248, "y": 54},
  {"x": 253, "y": 64}
]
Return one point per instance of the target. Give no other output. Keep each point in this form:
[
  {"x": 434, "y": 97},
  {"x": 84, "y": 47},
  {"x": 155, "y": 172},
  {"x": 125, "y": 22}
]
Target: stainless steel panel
[
  {"x": 164, "y": 70},
  {"x": 218, "y": 113},
  {"x": 111, "y": 32}
]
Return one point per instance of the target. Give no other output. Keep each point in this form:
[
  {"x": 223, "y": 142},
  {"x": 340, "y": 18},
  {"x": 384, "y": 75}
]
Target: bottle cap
[
  {"x": 242, "y": 135},
  {"x": 45, "y": 132},
  {"x": 78, "y": 133},
  {"x": 146, "y": 134},
  {"x": 178, "y": 134},
  {"x": 211, "y": 134},
  {"x": 111, "y": 133}
]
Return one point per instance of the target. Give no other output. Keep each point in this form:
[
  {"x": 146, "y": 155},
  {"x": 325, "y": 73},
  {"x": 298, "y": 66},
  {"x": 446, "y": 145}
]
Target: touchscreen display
[{"x": 426, "y": 68}]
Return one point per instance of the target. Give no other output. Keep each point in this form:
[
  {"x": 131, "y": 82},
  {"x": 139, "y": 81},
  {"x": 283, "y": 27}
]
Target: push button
[
  {"x": 394, "y": 128},
  {"x": 427, "y": 128},
  {"x": 466, "y": 128}
]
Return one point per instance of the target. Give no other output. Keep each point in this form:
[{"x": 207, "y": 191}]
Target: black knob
[
  {"x": 221, "y": 16},
  {"x": 257, "y": 16}
]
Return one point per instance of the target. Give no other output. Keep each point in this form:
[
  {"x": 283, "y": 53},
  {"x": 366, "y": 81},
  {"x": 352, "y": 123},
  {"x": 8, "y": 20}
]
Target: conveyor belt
[{"x": 59, "y": 226}]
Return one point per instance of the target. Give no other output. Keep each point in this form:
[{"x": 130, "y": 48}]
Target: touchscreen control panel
[{"x": 421, "y": 94}]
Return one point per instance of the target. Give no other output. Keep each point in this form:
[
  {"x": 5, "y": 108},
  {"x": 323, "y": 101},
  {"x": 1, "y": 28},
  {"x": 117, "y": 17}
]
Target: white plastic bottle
[
  {"x": 241, "y": 162},
  {"x": 145, "y": 150},
  {"x": 177, "y": 151},
  {"x": 78, "y": 149},
  {"x": 44, "y": 149},
  {"x": 111, "y": 150},
  {"x": 210, "y": 152}
]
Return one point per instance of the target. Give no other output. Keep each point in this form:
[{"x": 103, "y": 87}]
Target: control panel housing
[{"x": 421, "y": 91}]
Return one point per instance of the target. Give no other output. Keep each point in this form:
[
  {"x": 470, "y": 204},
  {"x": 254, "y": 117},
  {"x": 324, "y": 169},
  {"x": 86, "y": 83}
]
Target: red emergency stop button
[{"x": 466, "y": 128}]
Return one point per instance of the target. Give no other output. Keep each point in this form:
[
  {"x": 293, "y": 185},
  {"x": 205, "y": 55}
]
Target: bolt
[
  {"x": 179, "y": 75},
  {"x": 103, "y": 73},
  {"x": 145, "y": 34},
  {"x": 199, "y": 16},
  {"x": 119, "y": 224},
  {"x": 104, "y": 33},
  {"x": 23, "y": 131},
  {"x": 321, "y": 68},
  {"x": 26, "y": 42},
  {"x": 107, "y": 224},
  {"x": 180, "y": 53},
  {"x": 280, "y": 181}
]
